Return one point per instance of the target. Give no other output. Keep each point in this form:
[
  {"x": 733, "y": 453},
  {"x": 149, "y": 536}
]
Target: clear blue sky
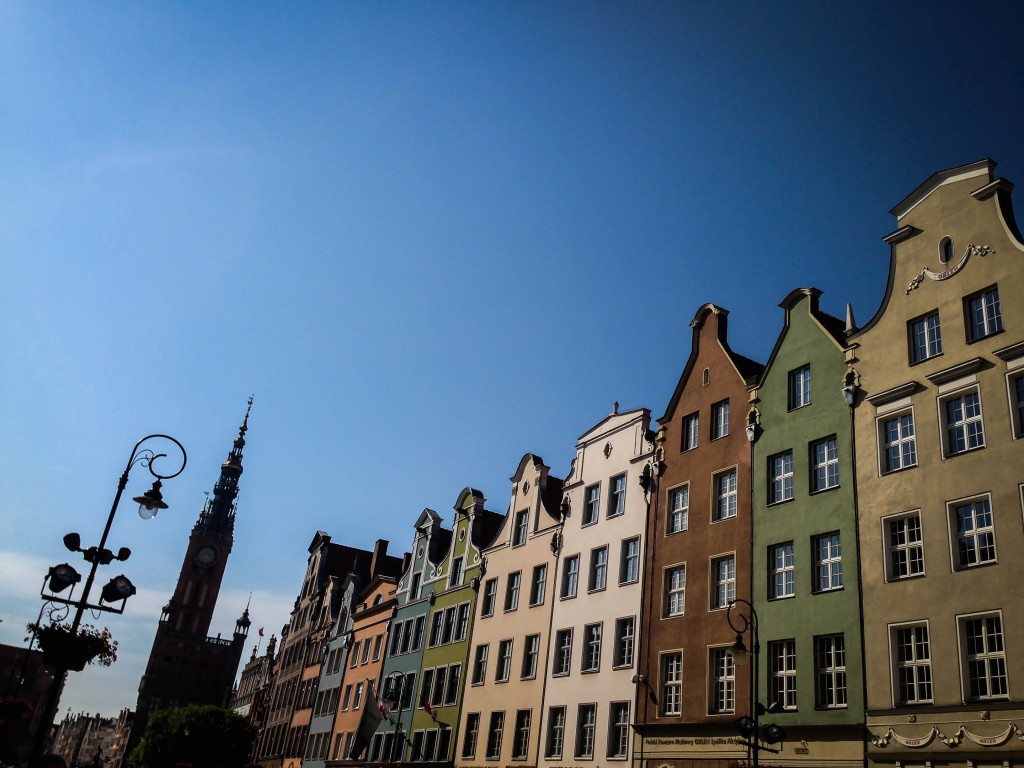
[{"x": 429, "y": 237}]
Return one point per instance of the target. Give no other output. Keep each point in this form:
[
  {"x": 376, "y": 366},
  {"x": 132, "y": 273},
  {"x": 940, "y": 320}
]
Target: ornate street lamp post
[
  {"x": 394, "y": 697},
  {"x": 60, "y": 577},
  {"x": 743, "y": 620}
]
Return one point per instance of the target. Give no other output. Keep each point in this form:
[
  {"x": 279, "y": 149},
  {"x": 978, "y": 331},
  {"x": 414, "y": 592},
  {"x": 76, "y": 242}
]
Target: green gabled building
[
  {"x": 454, "y": 587},
  {"x": 805, "y": 563},
  {"x": 406, "y": 639}
]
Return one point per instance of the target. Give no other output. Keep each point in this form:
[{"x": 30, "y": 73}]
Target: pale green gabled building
[
  {"x": 455, "y": 586},
  {"x": 805, "y": 561}
]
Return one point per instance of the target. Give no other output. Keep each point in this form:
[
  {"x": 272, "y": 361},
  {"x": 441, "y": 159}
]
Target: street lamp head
[
  {"x": 772, "y": 734},
  {"x": 123, "y": 554},
  {"x": 746, "y": 726},
  {"x": 118, "y": 588},
  {"x": 739, "y": 651},
  {"x": 63, "y": 576},
  {"x": 73, "y": 542},
  {"x": 151, "y": 502}
]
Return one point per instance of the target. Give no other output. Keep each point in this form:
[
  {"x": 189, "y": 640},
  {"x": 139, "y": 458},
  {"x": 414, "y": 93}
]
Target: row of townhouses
[{"x": 842, "y": 516}]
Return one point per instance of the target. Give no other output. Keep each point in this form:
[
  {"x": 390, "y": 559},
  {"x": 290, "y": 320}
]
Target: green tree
[{"x": 200, "y": 736}]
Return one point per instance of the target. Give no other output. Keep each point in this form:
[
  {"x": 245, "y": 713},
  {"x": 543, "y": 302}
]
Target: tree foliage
[{"x": 200, "y": 736}]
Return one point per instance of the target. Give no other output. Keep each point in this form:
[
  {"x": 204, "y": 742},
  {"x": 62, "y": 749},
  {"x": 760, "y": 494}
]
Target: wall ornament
[
  {"x": 955, "y": 740},
  {"x": 972, "y": 250}
]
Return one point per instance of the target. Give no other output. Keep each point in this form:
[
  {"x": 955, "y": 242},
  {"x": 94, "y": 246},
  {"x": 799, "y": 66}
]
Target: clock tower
[{"x": 185, "y": 665}]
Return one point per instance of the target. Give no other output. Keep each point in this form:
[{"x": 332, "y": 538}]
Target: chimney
[{"x": 380, "y": 551}]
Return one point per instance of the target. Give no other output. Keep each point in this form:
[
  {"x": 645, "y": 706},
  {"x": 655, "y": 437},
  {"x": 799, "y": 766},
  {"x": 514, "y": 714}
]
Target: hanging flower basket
[{"x": 64, "y": 649}]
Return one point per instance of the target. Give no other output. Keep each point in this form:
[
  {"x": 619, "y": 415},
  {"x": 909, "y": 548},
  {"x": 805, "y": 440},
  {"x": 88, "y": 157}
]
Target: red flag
[
  {"x": 425, "y": 701},
  {"x": 261, "y": 631}
]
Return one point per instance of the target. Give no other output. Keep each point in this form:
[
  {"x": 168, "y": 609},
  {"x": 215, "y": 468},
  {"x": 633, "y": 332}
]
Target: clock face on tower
[{"x": 205, "y": 556}]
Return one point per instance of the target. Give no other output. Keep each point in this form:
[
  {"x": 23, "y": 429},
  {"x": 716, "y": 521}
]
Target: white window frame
[
  {"x": 988, "y": 656},
  {"x": 720, "y": 419},
  {"x": 903, "y": 443},
  {"x": 554, "y": 743},
  {"x": 824, "y": 467},
  {"x": 722, "y": 678},
  {"x": 570, "y": 577},
  {"x": 674, "y": 591},
  {"x": 625, "y": 642},
  {"x": 618, "y": 730},
  {"x": 597, "y": 579},
  {"x": 521, "y": 736},
  {"x": 783, "y": 569},
  {"x": 563, "y": 653},
  {"x": 670, "y": 680},
  {"x": 678, "y": 509},
  {"x": 991, "y": 314},
  {"x": 903, "y": 547},
  {"x": 521, "y": 528},
  {"x": 617, "y": 495},
  {"x": 495, "y": 733},
  {"x": 591, "y": 652},
  {"x": 591, "y": 504},
  {"x": 490, "y": 597},
  {"x": 691, "y": 431},
  {"x": 828, "y": 563},
  {"x": 629, "y": 560},
  {"x": 911, "y": 663},
  {"x": 782, "y": 673},
  {"x": 929, "y": 334},
  {"x": 455, "y": 578},
  {"x": 586, "y": 731},
  {"x": 472, "y": 734},
  {"x": 723, "y": 584},
  {"x": 512, "y": 588},
  {"x": 982, "y": 538},
  {"x": 503, "y": 664},
  {"x": 538, "y": 584},
  {"x": 799, "y": 393},
  {"x": 830, "y": 684},
  {"x": 780, "y": 477},
  {"x": 531, "y": 654},
  {"x": 725, "y": 497},
  {"x": 480, "y": 663},
  {"x": 1016, "y": 401},
  {"x": 970, "y": 427}
]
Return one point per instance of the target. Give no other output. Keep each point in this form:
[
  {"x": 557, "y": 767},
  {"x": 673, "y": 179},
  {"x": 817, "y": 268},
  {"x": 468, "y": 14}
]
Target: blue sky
[{"x": 429, "y": 237}]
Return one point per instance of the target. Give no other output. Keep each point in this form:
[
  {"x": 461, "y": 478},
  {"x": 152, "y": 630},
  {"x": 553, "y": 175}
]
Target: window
[
  {"x": 800, "y": 387},
  {"x": 538, "y": 584},
  {"x": 415, "y": 588},
  {"x": 451, "y": 690},
  {"x": 490, "y": 592},
  {"x": 691, "y": 431},
  {"x": 723, "y": 586},
  {"x": 494, "y": 735},
  {"x": 825, "y": 458},
  {"x": 720, "y": 419},
  {"x": 780, "y": 477},
  {"x": 617, "y": 495},
  {"x": 357, "y": 699},
  {"x": 725, "y": 495},
  {"x": 345, "y": 698},
  {"x": 828, "y": 562},
  {"x": 504, "y": 667},
  {"x": 429, "y": 744},
  {"x": 437, "y": 691},
  {"x": 531, "y": 651},
  {"x": 618, "y": 729},
  {"x": 354, "y": 658},
  {"x": 675, "y": 591},
  {"x": 592, "y": 504},
  {"x": 782, "y": 685},
  {"x": 472, "y": 733},
  {"x": 899, "y": 444},
  {"x": 671, "y": 683},
  {"x": 830, "y": 669},
  {"x": 591, "y": 648},
  {"x": 377, "y": 643},
  {"x": 625, "y": 633},
  {"x": 906, "y": 546},
  {"x": 678, "y": 509},
  {"x": 427, "y": 682},
  {"x": 982, "y": 314},
  {"x": 629, "y": 561},
  {"x": 462, "y": 622},
  {"x": 512, "y": 591},
  {"x": 925, "y": 338},
  {"x": 480, "y": 664},
  {"x": 782, "y": 581},
  {"x": 366, "y": 651},
  {"x": 563, "y": 652},
  {"x": 586, "y": 722},
  {"x": 598, "y": 569},
  {"x": 521, "y": 742},
  {"x": 975, "y": 535},
  {"x": 913, "y": 664},
  {"x": 723, "y": 682},
  {"x": 436, "y": 625},
  {"x": 556, "y": 733},
  {"x": 520, "y": 528},
  {"x": 456, "y": 576},
  {"x": 964, "y": 428},
  {"x": 570, "y": 575},
  {"x": 984, "y": 657},
  {"x": 1017, "y": 405}
]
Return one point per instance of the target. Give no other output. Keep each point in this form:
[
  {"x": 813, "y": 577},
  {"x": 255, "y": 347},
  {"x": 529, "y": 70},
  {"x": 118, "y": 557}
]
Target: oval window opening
[{"x": 946, "y": 250}]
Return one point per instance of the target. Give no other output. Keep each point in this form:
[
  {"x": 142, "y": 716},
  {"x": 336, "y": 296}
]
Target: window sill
[
  {"x": 780, "y": 502},
  {"x": 975, "y": 566},
  {"x": 986, "y": 336},
  {"x": 964, "y": 452},
  {"x": 887, "y": 472},
  {"x": 780, "y": 598},
  {"x": 908, "y": 577},
  {"x": 825, "y": 490},
  {"x": 828, "y": 591},
  {"x": 936, "y": 356}
]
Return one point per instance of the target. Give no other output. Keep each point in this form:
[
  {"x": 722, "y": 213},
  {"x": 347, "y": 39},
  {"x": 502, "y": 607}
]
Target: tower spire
[{"x": 219, "y": 512}]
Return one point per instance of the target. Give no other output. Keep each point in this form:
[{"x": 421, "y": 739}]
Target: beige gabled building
[
  {"x": 590, "y": 691},
  {"x": 940, "y": 472},
  {"x": 501, "y": 711}
]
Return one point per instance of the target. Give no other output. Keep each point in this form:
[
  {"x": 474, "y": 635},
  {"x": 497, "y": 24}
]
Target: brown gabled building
[{"x": 698, "y": 534}]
